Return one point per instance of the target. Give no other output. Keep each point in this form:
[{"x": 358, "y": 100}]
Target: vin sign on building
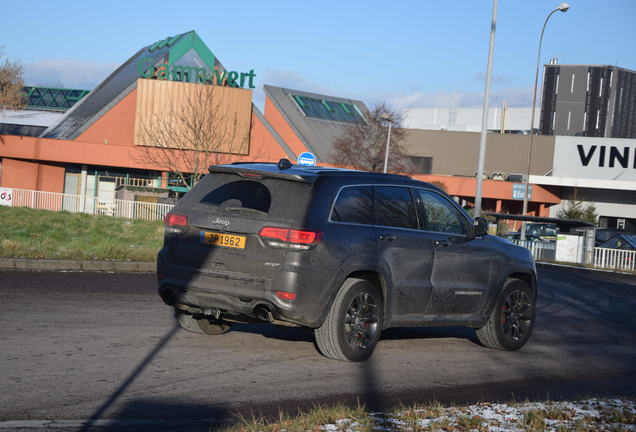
[{"x": 600, "y": 171}]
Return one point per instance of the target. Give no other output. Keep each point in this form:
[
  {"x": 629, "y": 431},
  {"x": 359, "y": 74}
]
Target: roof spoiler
[{"x": 254, "y": 172}]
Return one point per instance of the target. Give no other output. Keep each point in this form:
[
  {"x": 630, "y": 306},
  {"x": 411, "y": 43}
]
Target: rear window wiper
[{"x": 245, "y": 209}]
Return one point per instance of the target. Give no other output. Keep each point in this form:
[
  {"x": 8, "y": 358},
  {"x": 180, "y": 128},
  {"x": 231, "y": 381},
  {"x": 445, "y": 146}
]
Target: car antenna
[{"x": 284, "y": 164}]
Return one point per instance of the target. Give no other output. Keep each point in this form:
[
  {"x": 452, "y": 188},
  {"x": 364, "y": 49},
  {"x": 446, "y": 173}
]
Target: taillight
[
  {"x": 289, "y": 238},
  {"x": 284, "y": 295},
  {"x": 175, "y": 223}
]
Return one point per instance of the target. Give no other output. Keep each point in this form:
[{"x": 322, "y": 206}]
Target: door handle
[
  {"x": 387, "y": 237},
  {"x": 442, "y": 243}
]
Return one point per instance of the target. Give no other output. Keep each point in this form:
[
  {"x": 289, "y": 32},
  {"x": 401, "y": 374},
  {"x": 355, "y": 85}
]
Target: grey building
[
  {"x": 314, "y": 120},
  {"x": 456, "y": 153},
  {"x": 589, "y": 101}
]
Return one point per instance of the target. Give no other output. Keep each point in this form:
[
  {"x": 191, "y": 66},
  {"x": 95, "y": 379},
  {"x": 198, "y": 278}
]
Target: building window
[
  {"x": 553, "y": 120},
  {"x": 588, "y": 82},
  {"x": 423, "y": 164},
  {"x": 584, "y": 120},
  {"x": 598, "y": 117},
  {"x": 327, "y": 106},
  {"x": 572, "y": 85},
  {"x": 569, "y": 118},
  {"x": 323, "y": 109},
  {"x": 299, "y": 101},
  {"x": 620, "y": 223},
  {"x": 600, "y": 88},
  {"x": 556, "y": 87},
  {"x": 611, "y": 78}
]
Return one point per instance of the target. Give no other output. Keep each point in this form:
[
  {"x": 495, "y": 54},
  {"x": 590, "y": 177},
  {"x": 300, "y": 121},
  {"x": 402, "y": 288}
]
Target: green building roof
[{"x": 55, "y": 99}]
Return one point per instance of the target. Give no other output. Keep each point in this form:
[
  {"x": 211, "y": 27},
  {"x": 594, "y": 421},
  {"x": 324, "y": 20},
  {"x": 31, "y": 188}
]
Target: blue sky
[{"x": 410, "y": 53}]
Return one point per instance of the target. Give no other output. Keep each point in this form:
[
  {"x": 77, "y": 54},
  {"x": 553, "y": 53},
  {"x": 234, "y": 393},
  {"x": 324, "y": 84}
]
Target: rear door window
[
  {"x": 394, "y": 207},
  {"x": 354, "y": 204}
]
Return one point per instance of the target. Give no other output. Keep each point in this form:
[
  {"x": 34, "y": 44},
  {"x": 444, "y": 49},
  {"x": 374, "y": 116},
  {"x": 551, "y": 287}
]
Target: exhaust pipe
[{"x": 263, "y": 312}]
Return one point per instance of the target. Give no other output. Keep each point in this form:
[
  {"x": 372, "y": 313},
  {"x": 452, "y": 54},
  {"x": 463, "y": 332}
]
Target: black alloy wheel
[
  {"x": 353, "y": 325},
  {"x": 511, "y": 321},
  {"x": 516, "y": 316},
  {"x": 361, "y": 322}
]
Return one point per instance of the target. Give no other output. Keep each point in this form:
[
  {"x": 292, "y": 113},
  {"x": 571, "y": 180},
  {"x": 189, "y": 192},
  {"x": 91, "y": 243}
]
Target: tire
[
  {"x": 511, "y": 322},
  {"x": 202, "y": 326},
  {"x": 353, "y": 325}
]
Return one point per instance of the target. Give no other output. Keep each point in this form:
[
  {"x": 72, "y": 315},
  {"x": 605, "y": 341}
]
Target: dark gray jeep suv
[{"x": 347, "y": 253}]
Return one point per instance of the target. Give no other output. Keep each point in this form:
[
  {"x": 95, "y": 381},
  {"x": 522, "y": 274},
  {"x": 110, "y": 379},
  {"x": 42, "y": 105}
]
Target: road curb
[
  {"x": 583, "y": 269},
  {"x": 77, "y": 265}
]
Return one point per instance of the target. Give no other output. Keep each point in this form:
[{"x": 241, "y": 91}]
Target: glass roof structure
[
  {"x": 55, "y": 99},
  {"x": 325, "y": 109},
  {"x": 123, "y": 80}
]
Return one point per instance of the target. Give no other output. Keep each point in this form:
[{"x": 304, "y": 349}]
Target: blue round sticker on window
[{"x": 307, "y": 159}]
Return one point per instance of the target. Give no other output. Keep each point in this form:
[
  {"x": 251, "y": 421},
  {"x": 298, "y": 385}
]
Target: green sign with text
[{"x": 147, "y": 69}]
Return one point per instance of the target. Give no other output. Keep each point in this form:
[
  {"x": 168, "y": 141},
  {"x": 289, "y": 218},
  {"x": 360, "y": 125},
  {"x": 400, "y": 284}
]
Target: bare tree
[
  {"x": 188, "y": 135},
  {"x": 362, "y": 145},
  {"x": 11, "y": 84}
]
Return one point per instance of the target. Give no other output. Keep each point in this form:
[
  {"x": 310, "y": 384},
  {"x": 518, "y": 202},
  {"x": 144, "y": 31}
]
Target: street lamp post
[
  {"x": 563, "y": 7},
  {"x": 484, "y": 113},
  {"x": 388, "y": 140}
]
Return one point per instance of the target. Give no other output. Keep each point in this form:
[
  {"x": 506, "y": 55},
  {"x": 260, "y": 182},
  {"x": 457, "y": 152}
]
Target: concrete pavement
[
  {"x": 98, "y": 346},
  {"x": 76, "y": 265},
  {"x": 42, "y": 264}
]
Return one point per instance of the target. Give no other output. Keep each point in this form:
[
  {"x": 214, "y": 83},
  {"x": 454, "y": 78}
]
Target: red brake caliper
[{"x": 504, "y": 319}]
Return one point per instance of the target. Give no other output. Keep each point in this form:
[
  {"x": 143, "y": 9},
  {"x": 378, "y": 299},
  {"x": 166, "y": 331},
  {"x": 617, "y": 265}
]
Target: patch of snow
[{"x": 500, "y": 417}]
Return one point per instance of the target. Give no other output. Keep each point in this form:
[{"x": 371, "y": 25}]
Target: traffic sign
[
  {"x": 519, "y": 190},
  {"x": 307, "y": 159}
]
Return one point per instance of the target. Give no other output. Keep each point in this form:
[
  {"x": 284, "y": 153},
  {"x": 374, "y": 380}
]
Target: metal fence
[
  {"x": 541, "y": 251},
  {"x": 615, "y": 259},
  {"x": 611, "y": 259},
  {"x": 92, "y": 205}
]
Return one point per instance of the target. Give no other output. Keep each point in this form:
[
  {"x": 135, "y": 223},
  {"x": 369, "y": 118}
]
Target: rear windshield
[
  {"x": 231, "y": 193},
  {"x": 247, "y": 194}
]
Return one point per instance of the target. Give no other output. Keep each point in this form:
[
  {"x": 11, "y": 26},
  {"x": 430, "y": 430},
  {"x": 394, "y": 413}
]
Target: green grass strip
[{"x": 29, "y": 233}]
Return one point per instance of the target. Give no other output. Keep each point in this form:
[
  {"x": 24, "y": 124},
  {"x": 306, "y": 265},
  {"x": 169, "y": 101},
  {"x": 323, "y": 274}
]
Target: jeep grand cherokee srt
[{"x": 346, "y": 253}]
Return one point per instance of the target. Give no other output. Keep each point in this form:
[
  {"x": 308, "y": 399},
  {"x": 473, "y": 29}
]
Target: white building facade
[
  {"x": 598, "y": 171},
  {"x": 501, "y": 119}
]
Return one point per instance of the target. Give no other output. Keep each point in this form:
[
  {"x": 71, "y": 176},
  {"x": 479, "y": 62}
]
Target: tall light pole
[
  {"x": 484, "y": 113},
  {"x": 388, "y": 140},
  {"x": 563, "y": 7}
]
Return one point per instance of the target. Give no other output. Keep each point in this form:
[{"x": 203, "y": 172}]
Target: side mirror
[{"x": 481, "y": 227}]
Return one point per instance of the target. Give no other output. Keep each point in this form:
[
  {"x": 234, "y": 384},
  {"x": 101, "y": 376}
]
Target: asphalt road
[{"x": 98, "y": 346}]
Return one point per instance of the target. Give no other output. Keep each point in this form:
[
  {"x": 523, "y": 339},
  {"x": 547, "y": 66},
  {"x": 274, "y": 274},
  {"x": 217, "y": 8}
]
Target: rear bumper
[{"x": 235, "y": 294}]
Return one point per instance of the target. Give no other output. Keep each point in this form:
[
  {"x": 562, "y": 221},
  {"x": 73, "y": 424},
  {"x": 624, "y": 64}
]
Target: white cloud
[
  {"x": 496, "y": 79},
  {"x": 293, "y": 80},
  {"x": 67, "y": 73},
  {"x": 516, "y": 97}
]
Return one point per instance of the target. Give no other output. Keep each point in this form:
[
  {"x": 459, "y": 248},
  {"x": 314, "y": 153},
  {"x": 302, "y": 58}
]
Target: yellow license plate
[{"x": 225, "y": 240}]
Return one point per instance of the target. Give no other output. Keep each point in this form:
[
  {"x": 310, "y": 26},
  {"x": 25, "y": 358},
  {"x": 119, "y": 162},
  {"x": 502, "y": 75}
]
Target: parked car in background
[
  {"x": 516, "y": 235},
  {"x": 604, "y": 234},
  {"x": 622, "y": 241},
  {"x": 545, "y": 232},
  {"x": 346, "y": 253}
]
